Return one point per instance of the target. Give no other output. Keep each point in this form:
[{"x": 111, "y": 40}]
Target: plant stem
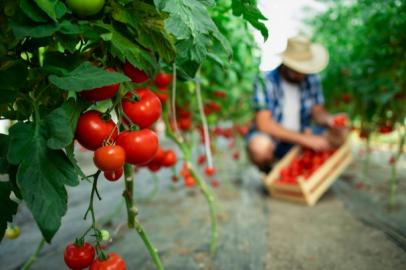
[
  {"x": 393, "y": 186},
  {"x": 34, "y": 256},
  {"x": 151, "y": 249},
  {"x": 367, "y": 161},
  {"x": 202, "y": 185},
  {"x": 132, "y": 212}
]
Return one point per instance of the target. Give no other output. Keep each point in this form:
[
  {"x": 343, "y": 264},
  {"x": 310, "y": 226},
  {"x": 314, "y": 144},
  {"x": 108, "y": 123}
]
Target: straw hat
[{"x": 303, "y": 56}]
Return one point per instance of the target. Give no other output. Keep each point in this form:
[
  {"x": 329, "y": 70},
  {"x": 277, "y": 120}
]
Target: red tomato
[
  {"x": 162, "y": 94},
  {"x": 284, "y": 172},
  {"x": 109, "y": 158},
  {"x": 392, "y": 160},
  {"x": 184, "y": 173},
  {"x": 78, "y": 257},
  {"x": 206, "y": 110},
  {"x": 308, "y": 153},
  {"x": 136, "y": 75},
  {"x": 364, "y": 134},
  {"x": 317, "y": 160},
  {"x": 163, "y": 79},
  {"x": 236, "y": 155},
  {"x": 242, "y": 130},
  {"x": 113, "y": 176},
  {"x": 114, "y": 262},
  {"x": 384, "y": 129},
  {"x": 174, "y": 179},
  {"x": 201, "y": 159},
  {"x": 307, "y": 162},
  {"x": 346, "y": 98},
  {"x": 215, "y": 106},
  {"x": 101, "y": 93},
  {"x": 169, "y": 158},
  {"x": 210, "y": 171},
  {"x": 190, "y": 181},
  {"x": 340, "y": 121},
  {"x": 215, "y": 183},
  {"x": 144, "y": 112},
  {"x": 157, "y": 160},
  {"x": 139, "y": 146},
  {"x": 219, "y": 94},
  {"x": 92, "y": 130},
  {"x": 184, "y": 124},
  {"x": 154, "y": 167}
]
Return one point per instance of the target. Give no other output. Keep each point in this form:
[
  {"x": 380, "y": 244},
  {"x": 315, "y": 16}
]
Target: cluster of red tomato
[
  {"x": 162, "y": 159},
  {"x": 82, "y": 256},
  {"x": 190, "y": 181},
  {"x": 304, "y": 165},
  {"x": 97, "y": 132}
]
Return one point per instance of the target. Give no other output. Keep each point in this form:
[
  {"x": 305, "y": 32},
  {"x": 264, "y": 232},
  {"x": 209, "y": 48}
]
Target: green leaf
[
  {"x": 42, "y": 174},
  {"x": 60, "y": 60},
  {"x": 122, "y": 47},
  {"x": 68, "y": 28},
  {"x": 46, "y": 70},
  {"x": 148, "y": 26},
  {"x": 33, "y": 11},
  {"x": 70, "y": 153},
  {"x": 215, "y": 59},
  {"x": 73, "y": 108},
  {"x": 47, "y": 7},
  {"x": 57, "y": 123},
  {"x": 226, "y": 45},
  {"x": 4, "y": 143},
  {"x": 250, "y": 12},
  {"x": 87, "y": 77},
  {"x": 60, "y": 8},
  {"x": 23, "y": 26},
  {"x": 14, "y": 76},
  {"x": 7, "y": 206},
  {"x": 191, "y": 24},
  {"x": 68, "y": 41}
]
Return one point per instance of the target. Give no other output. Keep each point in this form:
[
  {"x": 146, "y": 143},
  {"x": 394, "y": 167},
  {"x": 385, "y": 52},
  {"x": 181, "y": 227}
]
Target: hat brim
[{"x": 314, "y": 65}]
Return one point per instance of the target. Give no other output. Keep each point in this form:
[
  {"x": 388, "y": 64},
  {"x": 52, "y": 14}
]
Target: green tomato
[
  {"x": 104, "y": 235},
  {"x": 12, "y": 232},
  {"x": 85, "y": 7}
]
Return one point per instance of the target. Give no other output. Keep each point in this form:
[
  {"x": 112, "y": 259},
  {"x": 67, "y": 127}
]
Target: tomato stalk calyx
[
  {"x": 134, "y": 127},
  {"x": 79, "y": 242},
  {"x": 106, "y": 117}
]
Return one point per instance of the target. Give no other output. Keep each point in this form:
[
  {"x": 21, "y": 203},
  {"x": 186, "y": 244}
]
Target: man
[{"x": 286, "y": 101}]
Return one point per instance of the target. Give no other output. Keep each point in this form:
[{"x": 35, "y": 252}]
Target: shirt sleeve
[
  {"x": 262, "y": 100},
  {"x": 316, "y": 89}
]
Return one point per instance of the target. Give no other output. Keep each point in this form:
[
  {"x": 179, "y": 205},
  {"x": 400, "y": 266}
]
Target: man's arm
[
  {"x": 265, "y": 124},
  {"x": 321, "y": 116}
]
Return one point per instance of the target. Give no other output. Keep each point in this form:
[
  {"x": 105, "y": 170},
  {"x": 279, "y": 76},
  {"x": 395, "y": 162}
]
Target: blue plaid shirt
[{"x": 269, "y": 96}]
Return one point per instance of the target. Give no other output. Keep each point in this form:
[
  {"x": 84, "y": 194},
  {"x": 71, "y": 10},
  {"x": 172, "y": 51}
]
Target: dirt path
[{"x": 255, "y": 231}]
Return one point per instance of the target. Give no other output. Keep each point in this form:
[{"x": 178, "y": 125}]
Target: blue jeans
[{"x": 281, "y": 148}]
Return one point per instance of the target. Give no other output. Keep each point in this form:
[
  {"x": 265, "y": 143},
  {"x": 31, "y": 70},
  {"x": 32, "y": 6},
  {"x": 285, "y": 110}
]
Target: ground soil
[{"x": 255, "y": 231}]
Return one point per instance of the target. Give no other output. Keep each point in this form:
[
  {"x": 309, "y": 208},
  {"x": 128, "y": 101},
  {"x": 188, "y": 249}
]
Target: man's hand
[{"x": 315, "y": 142}]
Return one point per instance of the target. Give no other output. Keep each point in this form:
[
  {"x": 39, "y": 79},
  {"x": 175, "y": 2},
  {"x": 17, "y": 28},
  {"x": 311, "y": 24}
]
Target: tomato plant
[
  {"x": 79, "y": 257},
  {"x": 13, "y": 232}
]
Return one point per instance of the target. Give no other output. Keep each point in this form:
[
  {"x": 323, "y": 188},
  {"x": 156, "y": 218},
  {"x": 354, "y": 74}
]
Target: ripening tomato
[
  {"x": 114, "y": 176},
  {"x": 86, "y": 7},
  {"x": 284, "y": 172},
  {"x": 101, "y": 93},
  {"x": 114, "y": 262},
  {"x": 210, "y": 171},
  {"x": 184, "y": 114},
  {"x": 219, "y": 94},
  {"x": 135, "y": 74},
  {"x": 139, "y": 146},
  {"x": 169, "y": 158},
  {"x": 12, "y": 232},
  {"x": 78, "y": 257},
  {"x": 201, "y": 159},
  {"x": 92, "y": 130},
  {"x": 174, "y": 179},
  {"x": 236, "y": 155},
  {"x": 162, "y": 94},
  {"x": 163, "y": 79},
  {"x": 109, "y": 158},
  {"x": 144, "y": 112}
]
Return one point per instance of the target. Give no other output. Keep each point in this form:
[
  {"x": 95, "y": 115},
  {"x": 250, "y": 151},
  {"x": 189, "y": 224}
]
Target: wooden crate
[{"x": 310, "y": 190}]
